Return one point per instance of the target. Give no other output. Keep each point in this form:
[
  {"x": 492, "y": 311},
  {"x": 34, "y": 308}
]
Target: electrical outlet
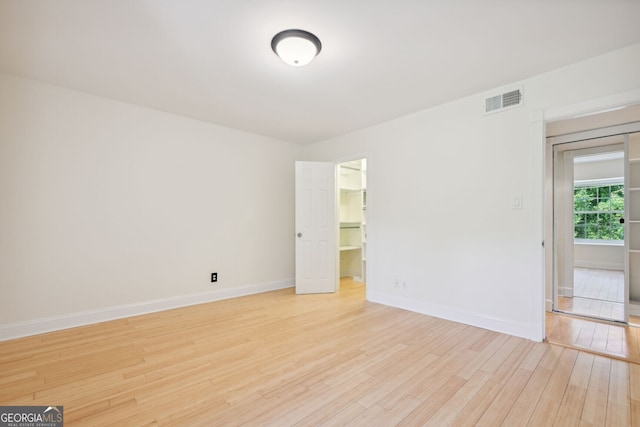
[{"x": 214, "y": 277}]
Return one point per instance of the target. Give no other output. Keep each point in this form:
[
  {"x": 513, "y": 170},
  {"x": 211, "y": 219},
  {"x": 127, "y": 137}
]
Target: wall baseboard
[
  {"x": 56, "y": 323},
  {"x": 529, "y": 331},
  {"x": 565, "y": 291},
  {"x": 600, "y": 265},
  {"x": 634, "y": 308}
]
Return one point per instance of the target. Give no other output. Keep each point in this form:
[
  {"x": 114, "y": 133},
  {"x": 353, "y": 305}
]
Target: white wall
[
  {"x": 599, "y": 170},
  {"x": 594, "y": 255},
  {"x": 106, "y": 204},
  {"x": 440, "y": 188}
]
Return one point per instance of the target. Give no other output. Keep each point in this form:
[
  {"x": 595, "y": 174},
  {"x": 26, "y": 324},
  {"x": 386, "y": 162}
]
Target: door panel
[
  {"x": 316, "y": 228},
  {"x": 588, "y": 268}
]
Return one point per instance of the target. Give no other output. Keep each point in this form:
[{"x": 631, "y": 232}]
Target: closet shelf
[{"x": 353, "y": 197}]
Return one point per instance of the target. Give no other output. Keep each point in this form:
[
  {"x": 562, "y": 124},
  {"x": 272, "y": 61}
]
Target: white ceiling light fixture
[{"x": 296, "y": 47}]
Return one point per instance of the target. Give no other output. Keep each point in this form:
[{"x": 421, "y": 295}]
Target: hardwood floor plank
[
  {"x": 618, "y": 404},
  {"x": 585, "y": 337},
  {"x": 344, "y": 416},
  {"x": 501, "y": 405},
  {"x": 634, "y": 393},
  {"x": 489, "y": 348},
  {"x": 612, "y": 340},
  {"x": 615, "y": 341},
  {"x": 367, "y": 418},
  {"x": 474, "y": 409},
  {"x": 528, "y": 398},
  {"x": 594, "y": 412},
  {"x": 430, "y": 404},
  {"x": 549, "y": 403},
  {"x": 338, "y": 404},
  {"x": 570, "y": 411},
  {"x": 597, "y": 293},
  {"x": 452, "y": 408},
  {"x": 394, "y": 416}
]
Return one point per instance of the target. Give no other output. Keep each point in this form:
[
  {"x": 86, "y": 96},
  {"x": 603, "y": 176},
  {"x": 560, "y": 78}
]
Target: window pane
[
  {"x": 597, "y": 212},
  {"x": 592, "y": 226},
  {"x": 604, "y": 232},
  {"x": 604, "y": 219},
  {"x": 617, "y": 232},
  {"x": 580, "y": 199}
]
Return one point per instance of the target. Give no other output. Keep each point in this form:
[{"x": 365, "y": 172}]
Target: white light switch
[{"x": 516, "y": 202}]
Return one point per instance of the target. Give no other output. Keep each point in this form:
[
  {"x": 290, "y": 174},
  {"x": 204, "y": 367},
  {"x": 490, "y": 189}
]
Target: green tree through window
[{"x": 597, "y": 212}]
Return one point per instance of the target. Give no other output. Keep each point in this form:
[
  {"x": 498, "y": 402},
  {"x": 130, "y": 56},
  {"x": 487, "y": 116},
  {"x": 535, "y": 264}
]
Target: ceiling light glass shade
[{"x": 296, "y": 47}]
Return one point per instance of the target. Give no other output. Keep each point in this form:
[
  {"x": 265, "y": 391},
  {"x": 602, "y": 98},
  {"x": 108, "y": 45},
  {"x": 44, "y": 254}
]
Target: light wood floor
[
  {"x": 597, "y": 293},
  {"x": 600, "y": 284},
  {"x": 614, "y": 340},
  {"x": 280, "y": 359}
]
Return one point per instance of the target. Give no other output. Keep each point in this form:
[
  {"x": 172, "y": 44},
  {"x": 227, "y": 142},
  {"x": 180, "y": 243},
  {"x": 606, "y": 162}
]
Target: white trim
[
  {"x": 596, "y": 242},
  {"x": 369, "y": 249},
  {"x": 39, "y": 326},
  {"x": 593, "y": 106},
  {"x": 595, "y": 133},
  {"x": 479, "y": 320},
  {"x": 600, "y": 182},
  {"x": 565, "y": 291},
  {"x": 600, "y": 157},
  {"x": 538, "y": 120},
  {"x": 539, "y": 245},
  {"x": 634, "y": 308},
  {"x": 600, "y": 265}
]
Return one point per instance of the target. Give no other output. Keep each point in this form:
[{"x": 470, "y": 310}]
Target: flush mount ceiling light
[{"x": 296, "y": 47}]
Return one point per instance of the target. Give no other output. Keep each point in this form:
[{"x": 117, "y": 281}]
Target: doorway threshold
[{"x": 611, "y": 339}]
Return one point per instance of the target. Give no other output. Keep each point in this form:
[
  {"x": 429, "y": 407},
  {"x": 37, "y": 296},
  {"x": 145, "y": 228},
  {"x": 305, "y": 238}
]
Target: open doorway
[
  {"x": 573, "y": 146},
  {"x": 589, "y": 199},
  {"x": 352, "y": 183}
]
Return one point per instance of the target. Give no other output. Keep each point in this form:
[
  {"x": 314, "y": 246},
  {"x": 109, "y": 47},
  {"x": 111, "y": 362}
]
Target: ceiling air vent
[{"x": 500, "y": 102}]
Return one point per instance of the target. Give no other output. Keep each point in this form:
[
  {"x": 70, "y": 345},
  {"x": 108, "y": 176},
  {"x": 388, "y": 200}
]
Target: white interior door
[{"x": 316, "y": 227}]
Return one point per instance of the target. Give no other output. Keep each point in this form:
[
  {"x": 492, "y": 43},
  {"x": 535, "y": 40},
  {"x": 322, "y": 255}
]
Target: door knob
[{"x": 299, "y": 234}]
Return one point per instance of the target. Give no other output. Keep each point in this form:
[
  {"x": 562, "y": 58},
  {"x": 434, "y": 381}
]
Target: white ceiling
[{"x": 212, "y": 59}]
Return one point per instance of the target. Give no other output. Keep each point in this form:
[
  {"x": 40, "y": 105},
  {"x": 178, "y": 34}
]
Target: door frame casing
[
  {"x": 543, "y": 163},
  {"x": 564, "y": 154},
  {"x": 367, "y": 272}
]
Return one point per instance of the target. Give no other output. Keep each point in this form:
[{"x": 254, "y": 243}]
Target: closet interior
[{"x": 353, "y": 219}]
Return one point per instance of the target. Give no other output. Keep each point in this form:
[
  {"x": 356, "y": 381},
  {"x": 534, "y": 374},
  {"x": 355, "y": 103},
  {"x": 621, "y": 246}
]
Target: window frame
[{"x": 606, "y": 182}]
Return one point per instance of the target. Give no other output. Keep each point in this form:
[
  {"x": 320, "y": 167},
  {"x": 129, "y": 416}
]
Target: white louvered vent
[{"x": 500, "y": 102}]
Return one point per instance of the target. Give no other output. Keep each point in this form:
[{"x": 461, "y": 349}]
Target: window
[{"x": 598, "y": 208}]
